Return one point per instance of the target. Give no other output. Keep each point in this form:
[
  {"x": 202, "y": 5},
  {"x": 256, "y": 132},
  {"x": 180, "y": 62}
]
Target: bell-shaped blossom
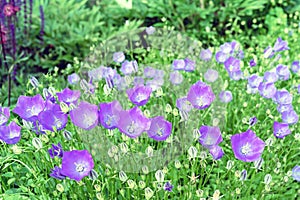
[
  {"x": 28, "y": 108},
  {"x": 283, "y": 97},
  {"x": 76, "y": 164},
  {"x": 4, "y": 115},
  {"x": 216, "y": 152},
  {"x": 283, "y": 72},
  {"x": 109, "y": 114},
  {"x": 133, "y": 123},
  {"x": 221, "y": 57},
  {"x": 295, "y": 67},
  {"x": 149, "y": 72},
  {"x": 68, "y": 96},
  {"x": 280, "y": 45},
  {"x": 96, "y": 74},
  {"x": 236, "y": 75},
  {"x": 232, "y": 64},
  {"x": 284, "y": 107},
  {"x": 290, "y": 117},
  {"x": 200, "y": 95},
  {"x": 267, "y": 90},
  {"x": 296, "y": 173},
  {"x": 190, "y": 65},
  {"x": 53, "y": 118},
  {"x": 281, "y": 130},
  {"x": 160, "y": 129},
  {"x": 254, "y": 80},
  {"x": 211, "y": 75},
  {"x": 247, "y": 146},
  {"x": 183, "y": 104},
  {"x": 118, "y": 57},
  {"x": 205, "y": 54},
  {"x": 178, "y": 64},
  {"x": 73, "y": 78},
  {"x": 225, "y": 96},
  {"x": 150, "y": 30},
  {"x": 252, "y": 63},
  {"x": 56, "y": 173},
  {"x": 176, "y": 78},
  {"x": 56, "y": 150},
  {"x": 10, "y": 134},
  {"x": 138, "y": 81},
  {"x": 85, "y": 115},
  {"x": 210, "y": 136},
  {"x": 139, "y": 95},
  {"x": 270, "y": 77}
]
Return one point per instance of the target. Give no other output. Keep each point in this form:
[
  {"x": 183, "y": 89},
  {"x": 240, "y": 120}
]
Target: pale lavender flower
[
  {"x": 211, "y": 75},
  {"x": 210, "y": 136},
  {"x": 200, "y": 95},
  {"x": 267, "y": 90},
  {"x": 73, "y": 78},
  {"x": 236, "y": 75},
  {"x": 150, "y": 30},
  {"x": 283, "y": 97},
  {"x": 284, "y": 107},
  {"x": 281, "y": 130},
  {"x": 68, "y": 96},
  {"x": 289, "y": 117},
  {"x": 109, "y": 114},
  {"x": 216, "y": 152},
  {"x": 296, "y": 173},
  {"x": 138, "y": 80},
  {"x": 221, "y": 57},
  {"x": 176, "y": 78},
  {"x": 189, "y": 65},
  {"x": 183, "y": 104},
  {"x": 97, "y": 73},
  {"x": 127, "y": 67},
  {"x": 139, "y": 95},
  {"x": 118, "y": 57},
  {"x": 160, "y": 129},
  {"x": 178, "y": 64},
  {"x": 295, "y": 67},
  {"x": 149, "y": 72},
  {"x": 254, "y": 80},
  {"x": 270, "y": 77},
  {"x": 280, "y": 45},
  {"x": 232, "y": 64},
  {"x": 283, "y": 72},
  {"x": 225, "y": 96},
  {"x": 10, "y": 134},
  {"x": 205, "y": 54},
  {"x": 4, "y": 115}
]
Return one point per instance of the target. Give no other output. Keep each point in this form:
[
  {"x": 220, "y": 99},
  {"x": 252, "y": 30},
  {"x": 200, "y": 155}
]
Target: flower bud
[
  {"x": 37, "y": 143},
  {"x": 159, "y": 175},
  {"x": 148, "y": 193},
  {"x": 122, "y": 176}
]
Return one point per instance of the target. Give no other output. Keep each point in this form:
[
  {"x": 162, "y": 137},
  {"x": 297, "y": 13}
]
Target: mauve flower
[
  {"x": 9, "y": 10},
  {"x": 77, "y": 164},
  {"x": 280, "y": 45},
  {"x": 176, "y": 78},
  {"x": 295, "y": 67},
  {"x": 281, "y": 130},
  {"x": 227, "y": 47},
  {"x": 160, "y": 129},
  {"x": 205, "y": 54},
  {"x": 178, "y": 64},
  {"x": 210, "y": 136},
  {"x": 10, "y": 134},
  {"x": 283, "y": 97},
  {"x": 216, "y": 152},
  {"x": 225, "y": 96},
  {"x": 52, "y": 118},
  {"x": 211, "y": 75},
  {"x": 283, "y": 72},
  {"x": 232, "y": 64},
  {"x": 200, "y": 95},
  {"x": 189, "y": 65},
  {"x": 96, "y": 74},
  {"x": 299, "y": 88},
  {"x": 296, "y": 173},
  {"x": 28, "y": 108},
  {"x": 68, "y": 96},
  {"x": 149, "y": 72},
  {"x": 139, "y": 95},
  {"x": 108, "y": 72},
  {"x": 252, "y": 63},
  {"x": 284, "y": 107},
  {"x": 133, "y": 123},
  {"x": 236, "y": 75},
  {"x": 168, "y": 186},
  {"x": 267, "y": 90},
  {"x": 4, "y": 115},
  {"x": 85, "y": 115},
  {"x": 270, "y": 77},
  {"x": 127, "y": 67},
  {"x": 159, "y": 74},
  {"x": 289, "y": 117},
  {"x": 254, "y": 80},
  {"x": 109, "y": 114},
  {"x": 221, "y": 57},
  {"x": 247, "y": 146},
  {"x": 56, "y": 150},
  {"x": 150, "y": 30},
  {"x": 56, "y": 173},
  {"x": 268, "y": 52},
  {"x": 183, "y": 104},
  {"x": 118, "y": 57},
  {"x": 73, "y": 78}
]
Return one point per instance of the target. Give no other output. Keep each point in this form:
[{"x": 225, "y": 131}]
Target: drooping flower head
[
  {"x": 28, "y": 108},
  {"x": 85, "y": 115},
  {"x": 77, "y": 164},
  {"x": 225, "y": 96},
  {"x": 109, "y": 114},
  {"x": 205, "y": 54},
  {"x": 10, "y": 134},
  {"x": 139, "y": 95},
  {"x": 247, "y": 146},
  {"x": 68, "y": 96},
  {"x": 200, "y": 95},
  {"x": 216, "y": 152},
  {"x": 290, "y": 117},
  {"x": 4, "y": 115},
  {"x": 281, "y": 130},
  {"x": 56, "y": 150},
  {"x": 210, "y": 136},
  {"x": 53, "y": 118},
  {"x": 283, "y": 72},
  {"x": 133, "y": 123},
  {"x": 211, "y": 75},
  {"x": 160, "y": 129}
]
